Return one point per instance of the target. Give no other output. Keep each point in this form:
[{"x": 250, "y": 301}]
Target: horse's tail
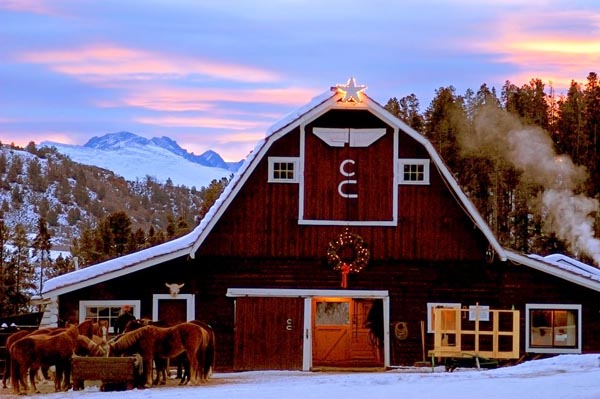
[{"x": 209, "y": 358}]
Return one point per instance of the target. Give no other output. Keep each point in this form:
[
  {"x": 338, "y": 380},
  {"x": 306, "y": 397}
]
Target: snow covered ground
[{"x": 565, "y": 376}]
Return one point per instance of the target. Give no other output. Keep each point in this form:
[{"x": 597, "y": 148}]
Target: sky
[
  {"x": 562, "y": 377},
  {"x": 215, "y": 75}
]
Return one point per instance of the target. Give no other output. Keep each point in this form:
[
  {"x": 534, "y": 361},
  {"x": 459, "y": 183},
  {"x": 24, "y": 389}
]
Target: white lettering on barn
[{"x": 347, "y": 173}]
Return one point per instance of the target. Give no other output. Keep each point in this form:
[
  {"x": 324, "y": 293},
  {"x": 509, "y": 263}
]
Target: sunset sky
[{"x": 217, "y": 74}]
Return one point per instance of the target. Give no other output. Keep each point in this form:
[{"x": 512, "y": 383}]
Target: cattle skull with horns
[{"x": 174, "y": 288}]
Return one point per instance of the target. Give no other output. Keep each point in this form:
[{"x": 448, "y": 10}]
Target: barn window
[
  {"x": 105, "y": 311},
  {"x": 414, "y": 171},
  {"x": 553, "y": 328},
  {"x": 283, "y": 170},
  {"x": 450, "y": 316}
]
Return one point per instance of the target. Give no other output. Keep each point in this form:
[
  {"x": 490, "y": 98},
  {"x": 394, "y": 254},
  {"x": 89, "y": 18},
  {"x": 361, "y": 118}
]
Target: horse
[
  {"x": 161, "y": 365},
  {"x": 87, "y": 328},
  {"x": 153, "y": 342},
  {"x": 38, "y": 350},
  {"x": 205, "y": 355}
]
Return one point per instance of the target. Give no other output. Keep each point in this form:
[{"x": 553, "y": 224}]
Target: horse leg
[
  {"x": 193, "y": 364},
  {"x": 6, "y": 371},
  {"x": 160, "y": 366},
  {"x": 32, "y": 373},
  {"x": 185, "y": 365},
  {"x": 148, "y": 370},
  {"x": 58, "y": 376},
  {"x": 67, "y": 375}
]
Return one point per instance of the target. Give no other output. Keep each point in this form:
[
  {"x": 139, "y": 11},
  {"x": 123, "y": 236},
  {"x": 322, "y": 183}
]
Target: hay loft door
[
  {"x": 343, "y": 333},
  {"x": 268, "y": 333}
]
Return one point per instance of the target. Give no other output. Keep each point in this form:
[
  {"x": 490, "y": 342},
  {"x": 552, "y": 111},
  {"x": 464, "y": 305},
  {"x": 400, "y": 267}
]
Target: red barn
[{"x": 333, "y": 247}]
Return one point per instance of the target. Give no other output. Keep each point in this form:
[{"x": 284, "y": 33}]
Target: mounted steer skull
[{"x": 174, "y": 288}]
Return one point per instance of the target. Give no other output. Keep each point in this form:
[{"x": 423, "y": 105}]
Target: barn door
[
  {"x": 268, "y": 333},
  {"x": 173, "y": 310},
  {"x": 341, "y": 333}
]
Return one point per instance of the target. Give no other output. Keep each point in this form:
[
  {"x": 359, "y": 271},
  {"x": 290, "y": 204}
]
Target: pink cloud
[
  {"x": 28, "y": 6},
  {"x": 107, "y": 62},
  {"x": 198, "y": 99},
  {"x": 540, "y": 50},
  {"x": 205, "y": 122}
]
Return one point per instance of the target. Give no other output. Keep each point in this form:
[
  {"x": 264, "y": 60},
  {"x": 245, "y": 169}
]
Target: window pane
[{"x": 332, "y": 313}]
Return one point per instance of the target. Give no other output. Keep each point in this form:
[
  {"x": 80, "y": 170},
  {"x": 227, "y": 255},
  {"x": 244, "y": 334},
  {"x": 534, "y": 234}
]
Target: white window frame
[
  {"x": 83, "y": 305},
  {"x": 293, "y": 160},
  {"x": 544, "y": 306},
  {"x": 190, "y": 312},
  {"x": 413, "y": 161},
  {"x": 433, "y": 305}
]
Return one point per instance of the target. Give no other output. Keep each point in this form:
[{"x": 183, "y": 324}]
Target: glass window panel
[{"x": 332, "y": 313}]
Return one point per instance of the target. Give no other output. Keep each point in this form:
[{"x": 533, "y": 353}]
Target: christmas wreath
[{"x": 347, "y": 254}]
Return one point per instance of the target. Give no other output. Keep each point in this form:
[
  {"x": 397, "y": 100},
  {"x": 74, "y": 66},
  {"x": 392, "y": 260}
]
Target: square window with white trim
[
  {"x": 283, "y": 170},
  {"x": 553, "y": 328},
  {"x": 106, "y": 312},
  {"x": 414, "y": 171}
]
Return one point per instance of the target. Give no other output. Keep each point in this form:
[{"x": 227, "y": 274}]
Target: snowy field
[{"x": 565, "y": 376}]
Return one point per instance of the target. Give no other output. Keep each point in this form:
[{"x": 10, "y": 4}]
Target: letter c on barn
[{"x": 346, "y": 173}]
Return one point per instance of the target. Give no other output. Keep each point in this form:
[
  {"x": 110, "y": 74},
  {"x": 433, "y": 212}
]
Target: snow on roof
[
  {"x": 571, "y": 265},
  {"x": 146, "y": 257}
]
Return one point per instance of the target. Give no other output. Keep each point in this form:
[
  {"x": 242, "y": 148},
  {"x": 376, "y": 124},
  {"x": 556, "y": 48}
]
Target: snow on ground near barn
[{"x": 565, "y": 376}]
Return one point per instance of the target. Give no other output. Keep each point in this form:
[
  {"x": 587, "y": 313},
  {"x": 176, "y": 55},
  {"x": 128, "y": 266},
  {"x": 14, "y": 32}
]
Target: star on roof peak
[{"x": 351, "y": 91}]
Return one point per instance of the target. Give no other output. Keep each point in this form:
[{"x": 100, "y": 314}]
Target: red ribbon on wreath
[{"x": 345, "y": 269}]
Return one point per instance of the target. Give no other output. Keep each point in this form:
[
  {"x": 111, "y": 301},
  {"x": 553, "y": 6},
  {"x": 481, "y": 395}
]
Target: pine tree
[
  {"x": 21, "y": 282},
  {"x": 41, "y": 249}
]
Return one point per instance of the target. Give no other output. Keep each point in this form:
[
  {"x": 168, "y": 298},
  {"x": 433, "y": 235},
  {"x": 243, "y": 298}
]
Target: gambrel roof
[{"x": 189, "y": 244}]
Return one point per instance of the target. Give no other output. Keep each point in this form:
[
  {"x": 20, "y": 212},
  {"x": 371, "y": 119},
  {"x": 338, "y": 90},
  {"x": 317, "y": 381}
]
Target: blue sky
[{"x": 217, "y": 74}]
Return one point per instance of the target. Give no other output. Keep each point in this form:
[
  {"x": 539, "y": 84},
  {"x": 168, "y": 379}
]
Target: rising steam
[{"x": 503, "y": 138}]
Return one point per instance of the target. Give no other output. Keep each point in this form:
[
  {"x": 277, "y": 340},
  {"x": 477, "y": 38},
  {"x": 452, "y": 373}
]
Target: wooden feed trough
[{"x": 112, "y": 371}]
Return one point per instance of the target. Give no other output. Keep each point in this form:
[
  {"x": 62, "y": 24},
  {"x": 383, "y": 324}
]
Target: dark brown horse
[
  {"x": 43, "y": 350},
  {"x": 153, "y": 342}
]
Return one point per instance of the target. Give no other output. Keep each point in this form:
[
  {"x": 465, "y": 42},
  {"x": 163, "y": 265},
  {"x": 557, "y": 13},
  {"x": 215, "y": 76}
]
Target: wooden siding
[
  {"x": 411, "y": 286},
  {"x": 262, "y": 221},
  {"x": 268, "y": 333},
  {"x": 373, "y": 171}
]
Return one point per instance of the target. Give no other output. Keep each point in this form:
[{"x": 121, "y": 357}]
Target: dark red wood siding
[{"x": 268, "y": 333}]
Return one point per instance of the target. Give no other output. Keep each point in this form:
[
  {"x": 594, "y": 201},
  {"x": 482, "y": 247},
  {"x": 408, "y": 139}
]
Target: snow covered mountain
[{"x": 134, "y": 157}]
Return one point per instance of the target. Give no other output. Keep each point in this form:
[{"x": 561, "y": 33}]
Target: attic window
[
  {"x": 283, "y": 170},
  {"x": 414, "y": 171}
]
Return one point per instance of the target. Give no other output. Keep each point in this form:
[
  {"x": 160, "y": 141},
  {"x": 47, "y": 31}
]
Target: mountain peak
[{"x": 115, "y": 141}]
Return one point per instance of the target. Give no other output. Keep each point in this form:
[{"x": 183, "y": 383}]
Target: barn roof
[{"x": 188, "y": 245}]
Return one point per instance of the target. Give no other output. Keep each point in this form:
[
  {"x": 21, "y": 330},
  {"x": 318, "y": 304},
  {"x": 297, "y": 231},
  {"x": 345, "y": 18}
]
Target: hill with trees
[{"x": 50, "y": 204}]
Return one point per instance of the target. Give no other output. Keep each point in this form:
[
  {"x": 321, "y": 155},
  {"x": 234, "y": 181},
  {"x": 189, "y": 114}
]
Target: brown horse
[
  {"x": 87, "y": 328},
  {"x": 35, "y": 351},
  {"x": 205, "y": 355},
  {"x": 161, "y": 365},
  {"x": 153, "y": 342}
]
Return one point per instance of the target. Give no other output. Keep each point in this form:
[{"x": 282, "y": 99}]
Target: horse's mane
[
  {"x": 130, "y": 338},
  {"x": 88, "y": 328},
  {"x": 88, "y": 345}
]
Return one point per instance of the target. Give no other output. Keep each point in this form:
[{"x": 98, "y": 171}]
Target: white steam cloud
[{"x": 503, "y": 138}]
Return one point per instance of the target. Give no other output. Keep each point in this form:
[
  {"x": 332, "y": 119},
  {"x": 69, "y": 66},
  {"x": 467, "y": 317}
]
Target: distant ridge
[{"x": 135, "y": 157}]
